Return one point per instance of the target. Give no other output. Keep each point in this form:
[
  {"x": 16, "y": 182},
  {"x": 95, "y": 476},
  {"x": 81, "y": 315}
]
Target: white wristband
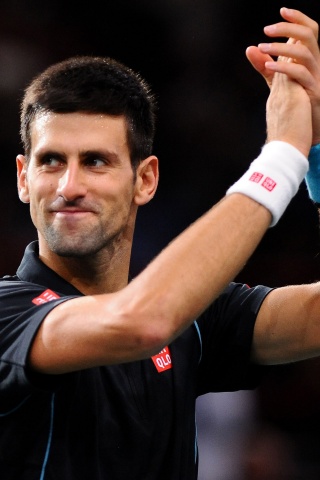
[{"x": 273, "y": 178}]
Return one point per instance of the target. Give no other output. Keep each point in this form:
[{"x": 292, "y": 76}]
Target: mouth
[
  {"x": 72, "y": 214},
  {"x": 72, "y": 211}
]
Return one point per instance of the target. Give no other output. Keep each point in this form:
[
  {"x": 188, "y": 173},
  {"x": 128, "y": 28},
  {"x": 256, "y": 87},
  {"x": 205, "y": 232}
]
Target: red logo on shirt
[
  {"x": 45, "y": 297},
  {"x": 162, "y": 361}
]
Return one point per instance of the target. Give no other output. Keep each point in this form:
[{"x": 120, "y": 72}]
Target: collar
[{"x": 33, "y": 270}]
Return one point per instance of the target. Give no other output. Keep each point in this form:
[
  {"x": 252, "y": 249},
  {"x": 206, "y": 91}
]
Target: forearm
[{"x": 188, "y": 275}]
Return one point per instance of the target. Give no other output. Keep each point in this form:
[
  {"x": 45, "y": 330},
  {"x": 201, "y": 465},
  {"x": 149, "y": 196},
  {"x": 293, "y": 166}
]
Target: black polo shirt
[{"x": 130, "y": 421}]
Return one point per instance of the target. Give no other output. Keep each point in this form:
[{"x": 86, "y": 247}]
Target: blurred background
[{"x": 211, "y": 124}]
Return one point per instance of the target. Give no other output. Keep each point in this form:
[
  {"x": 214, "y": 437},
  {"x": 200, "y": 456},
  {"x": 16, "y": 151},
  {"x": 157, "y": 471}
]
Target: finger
[
  {"x": 295, "y": 16},
  {"x": 258, "y": 60},
  {"x": 296, "y": 51},
  {"x": 295, "y": 72},
  {"x": 298, "y": 32}
]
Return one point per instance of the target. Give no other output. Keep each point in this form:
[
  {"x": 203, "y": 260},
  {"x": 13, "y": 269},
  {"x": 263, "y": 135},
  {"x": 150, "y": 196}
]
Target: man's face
[{"x": 79, "y": 182}]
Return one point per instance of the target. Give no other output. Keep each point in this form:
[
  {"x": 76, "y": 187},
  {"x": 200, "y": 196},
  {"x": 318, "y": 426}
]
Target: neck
[{"x": 104, "y": 272}]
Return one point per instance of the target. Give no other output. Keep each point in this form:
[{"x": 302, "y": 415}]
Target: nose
[{"x": 72, "y": 183}]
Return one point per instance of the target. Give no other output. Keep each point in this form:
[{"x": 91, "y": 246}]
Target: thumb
[{"x": 258, "y": 60}]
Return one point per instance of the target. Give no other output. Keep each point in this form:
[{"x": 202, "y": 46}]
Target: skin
[{"x": 117, "y": 322}]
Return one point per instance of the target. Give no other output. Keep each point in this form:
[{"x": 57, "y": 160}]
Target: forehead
[{"x": 79, "y": 130}]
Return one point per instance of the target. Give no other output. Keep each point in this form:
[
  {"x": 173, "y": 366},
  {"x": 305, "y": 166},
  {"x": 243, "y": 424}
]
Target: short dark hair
[{"x": 94, "y": 85}]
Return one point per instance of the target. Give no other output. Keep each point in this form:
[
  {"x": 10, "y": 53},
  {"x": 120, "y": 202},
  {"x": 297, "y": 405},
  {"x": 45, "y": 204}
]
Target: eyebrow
[
  {"x": 114, "y": 157},
  {"x": 44, "y": 151}
]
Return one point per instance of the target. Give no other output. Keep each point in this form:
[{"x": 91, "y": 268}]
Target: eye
[
  {"x": 51, "y": 161},
  {"x": 95, "y": 162}
]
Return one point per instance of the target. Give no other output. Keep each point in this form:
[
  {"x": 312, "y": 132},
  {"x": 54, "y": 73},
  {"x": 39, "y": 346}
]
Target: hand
[
  {"x": 289, "y": 113},
  {"x": 299, "y": 58}
]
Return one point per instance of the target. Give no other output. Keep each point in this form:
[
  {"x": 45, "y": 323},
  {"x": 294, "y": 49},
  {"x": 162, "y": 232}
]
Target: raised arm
[
  {"x": 161, "y": 302},
  {"x": 189, "y": 274}
]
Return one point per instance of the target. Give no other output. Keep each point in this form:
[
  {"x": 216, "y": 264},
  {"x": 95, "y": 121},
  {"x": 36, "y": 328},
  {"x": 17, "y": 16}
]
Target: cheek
[
  {"x": 34, "y": 214},
  {"x": 39, "y": 197},
  {"x": 117, "y": 190},
  {"x": 120, "y": 205}
]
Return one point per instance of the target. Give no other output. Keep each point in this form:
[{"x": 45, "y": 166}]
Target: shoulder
[
  {"x": 240, "y": 296},
  {"x": 14, "y": 287},
  {"x": 23, "y": 305},
  {"x": 233, "y": 314}
]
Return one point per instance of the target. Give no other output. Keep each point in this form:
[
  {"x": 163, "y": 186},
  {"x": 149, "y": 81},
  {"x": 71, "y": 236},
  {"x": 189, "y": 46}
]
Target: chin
[{"x": 75, "y": 252}]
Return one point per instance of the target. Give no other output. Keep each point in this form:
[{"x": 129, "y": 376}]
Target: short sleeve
[
  {"x": 20, "y": 318},
  {"x": 226, "y": 333}
]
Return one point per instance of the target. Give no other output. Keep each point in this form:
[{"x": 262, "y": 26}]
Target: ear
[
  {"x": 147, "y": 177},
  {"x": 23, "y": 188}
]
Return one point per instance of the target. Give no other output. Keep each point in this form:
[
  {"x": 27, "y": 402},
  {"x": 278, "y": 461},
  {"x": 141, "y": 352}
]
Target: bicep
[
  {"x": 287, "y": 328},
  {"x": 65, "y": 339},
  {"x": 87, "y": 332}
]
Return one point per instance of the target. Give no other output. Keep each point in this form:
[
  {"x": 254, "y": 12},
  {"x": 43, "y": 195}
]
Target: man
[{"x": 99, "y": 377}]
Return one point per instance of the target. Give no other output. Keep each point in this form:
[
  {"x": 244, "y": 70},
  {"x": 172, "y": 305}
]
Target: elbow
[
  {"x": 151, "y": 336},
  {"x": 152, "y": 340},
  {"x": 149, "y": 330}
]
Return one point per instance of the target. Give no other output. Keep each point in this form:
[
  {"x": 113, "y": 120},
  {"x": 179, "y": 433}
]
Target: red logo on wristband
[
  {"x": 267, "y": 183},
  {"x": 256, "y": 177}
]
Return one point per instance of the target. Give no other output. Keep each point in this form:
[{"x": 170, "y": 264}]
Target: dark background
[{"x": 211, "y": 125}]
